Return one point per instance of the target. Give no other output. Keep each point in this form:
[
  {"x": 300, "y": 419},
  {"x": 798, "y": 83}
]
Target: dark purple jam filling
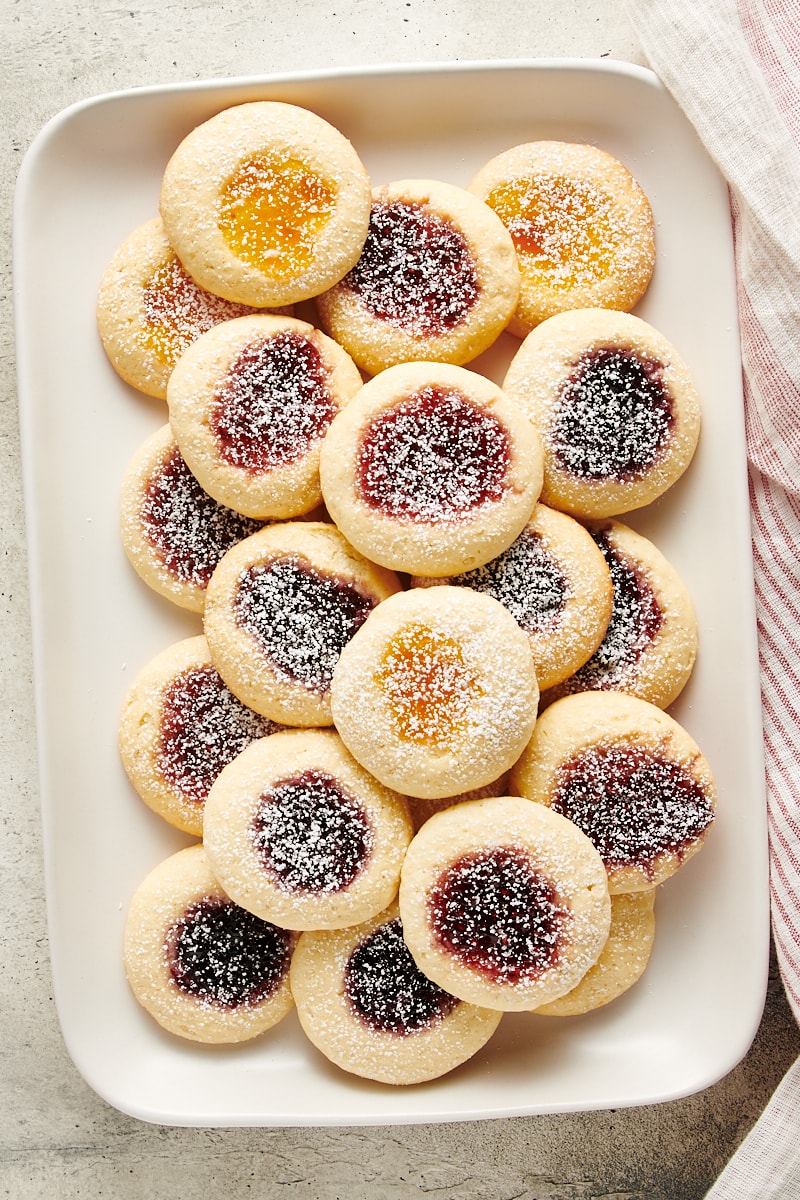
[
  {"x": 310, "y": 835},
  {"x": 526, "y": 579},
  {"x": 436, "y": 456},
  {"x": 498, "y": 915},
  {"x": 300, "y": 618},
  {"x": 225, "y": 956},
  {"x": 203, "y": 727},
  {"x": 274, "y": 403},
  {"x": 613, "y": 418},
  {"x": 416, "y": 270},
  {"x": 189, "y": 531},
  {"x": 387, "y": 990},
  {"x": 632, "y": 803}
]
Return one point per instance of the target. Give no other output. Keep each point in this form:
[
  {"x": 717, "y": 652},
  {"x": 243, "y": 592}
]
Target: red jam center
[
  {"x": 203, "y": 727},
  {"x": 275, "y": 402},
  {"x": 387, "y": 991},
  {"x": 416, "y": 270},
  {"x": 435, "y": 456},
  {"x": 632, "y": 803},
  {"x": 499, "y": 916},
  {"x": 176, "y": 311},
  {"x": 300, "y": 617},
  {"x": 225, "y": 956},
  {"x": 310, "y": 835},
  {"x": 613, "y": 418},
  {"x": 526, "y": 579},
  {"x": 188, "y": 530}
]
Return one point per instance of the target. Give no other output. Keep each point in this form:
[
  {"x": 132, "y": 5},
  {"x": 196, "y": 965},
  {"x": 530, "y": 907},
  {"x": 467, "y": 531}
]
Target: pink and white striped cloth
[{"x": 734, "y": 68}]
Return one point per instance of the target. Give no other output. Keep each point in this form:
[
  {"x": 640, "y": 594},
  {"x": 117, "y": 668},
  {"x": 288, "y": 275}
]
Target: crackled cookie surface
[
  {"x": 203, "y": 967},
  {"x": 437, "y": 279},
  {"x": 430, "y": 469},
  {"x": 266, "y": 203},
  {"x": 615, "y": 405},
  {"x": 582, "y": 227}
]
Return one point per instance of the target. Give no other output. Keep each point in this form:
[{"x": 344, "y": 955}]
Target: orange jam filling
[
  {"x": 429, "y": 686},
  {"x": 272, "y": 211},
  {"x": 176, "y": 311},
  {"x": 563, "y": 229}
]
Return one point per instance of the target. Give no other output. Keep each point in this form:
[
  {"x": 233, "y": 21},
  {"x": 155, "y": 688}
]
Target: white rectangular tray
[{"x": 89, "y": 178}]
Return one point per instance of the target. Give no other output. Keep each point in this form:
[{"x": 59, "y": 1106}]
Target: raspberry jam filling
[
  {"x": 176, "y": 311},
  {"x": 416, "y": 270},
  {"x": 436, "y": 456},
  {"x": 632, "y": 803},
  {"x": 300, "y": 617},
  {"x": 226, "y": 957},
  {"x": 203, "y": 727},
  {"x": 387, "y": 991},
  {"x": 429, "y": 686},
  {"x": 188, "y": 530},
  {"x": 274, "y": 404},
  {"x": 499, "y": 916},
  {"x": 310, "y": 835},
  {"x": 613, "y": 417},
  {"x": 526, "y": 579}
]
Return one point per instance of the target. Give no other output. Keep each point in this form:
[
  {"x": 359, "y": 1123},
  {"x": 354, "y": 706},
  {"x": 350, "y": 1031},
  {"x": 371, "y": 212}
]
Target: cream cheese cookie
[
  {"x": 615, "y": 406},
  {"x": 299, "y": 834},
  {"x": 504, "y": 903},
  {"x": 582, "y": 227},
  {"x": 430, "y": 469},
  {"x": 436, "y": 693},
  {"x": 204, "y": 968},
  {"x": 250, "y": 403},
  {"x": 629, "y": 776},
  {"x": 437, "y": 279},
  {"x": 266, "y": 203}
]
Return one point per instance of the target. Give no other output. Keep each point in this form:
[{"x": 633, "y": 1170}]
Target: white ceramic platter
[{"x": 89, "y": 178}]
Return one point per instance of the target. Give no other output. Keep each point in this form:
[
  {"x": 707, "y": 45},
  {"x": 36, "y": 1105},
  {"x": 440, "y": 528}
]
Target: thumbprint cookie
[
  {"x": 650, "y": 645},
  {"x": 430, "y": 469},
  {"x": 266, "y": 204},
  {"x": 629, "y": 776},
  {"x": 173, "y": 532},
  {"x": 249, "y": 404},
  {"x": 204, "y": 968},
  {"x": 622, "y": 961},
  {"x": 299, "y": 834},
  {"x": 436, "y": 693},
  {"x": 437, "y": 279},
  {"x": 180, "y": 725},
  {"x": 364, "y": 1003},
  {"x": 615, "y": 406},
  {"x": 555, "y": 582},
  {"x": 501, "y": 907},
  {"x": 279, "y": 610},
  {"x": 582, "y": 227}
]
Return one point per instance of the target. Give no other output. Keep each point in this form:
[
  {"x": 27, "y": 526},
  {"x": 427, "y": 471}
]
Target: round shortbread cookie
[
  {"x": 437, "y": 279},
  {"x": 203, "y": 967},
  {"x": 629, "y": 776},
  {"x": 622, "y": 961},
  {"x": 582, "y": 227},
  {"x": 173, "y": 532},
  {"x": 555, "y": 583},
  {"x": 650, "y": 645},
  {"x": 430, "y": 469},
  {"x": 501, "y": 907},
  {"x": 299, "y": 834},
  {"x": 615, "y": 406},
  {"x": 266, "y": 203},
  {"x": 180, "y": 725},
  {"x": 279, "y": 609},
  {"x": 436, "y": 693},
  {"x": 250, "y": 403},
  {"x": 363, "y": 1002}
]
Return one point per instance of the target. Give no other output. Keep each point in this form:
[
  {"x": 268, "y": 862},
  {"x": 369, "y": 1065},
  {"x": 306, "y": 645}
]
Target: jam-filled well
[
  {"x": 526, "y": 579},
  {"x": 429, "y": 685},
  {"x": 176, "y": 311}
]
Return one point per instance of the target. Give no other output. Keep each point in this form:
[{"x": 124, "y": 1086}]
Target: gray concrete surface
[{"x": 58, "y": 1139}]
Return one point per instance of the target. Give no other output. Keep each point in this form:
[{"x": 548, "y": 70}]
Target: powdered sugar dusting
[{"x": 526, "y": 579}]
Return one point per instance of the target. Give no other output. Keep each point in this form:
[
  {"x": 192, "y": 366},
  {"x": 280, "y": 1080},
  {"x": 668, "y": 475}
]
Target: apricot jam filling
[
  {"x": 428, "y": 684},
  {"x": 176, "y": 311},
  {"x": 272, "y": 211}
]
